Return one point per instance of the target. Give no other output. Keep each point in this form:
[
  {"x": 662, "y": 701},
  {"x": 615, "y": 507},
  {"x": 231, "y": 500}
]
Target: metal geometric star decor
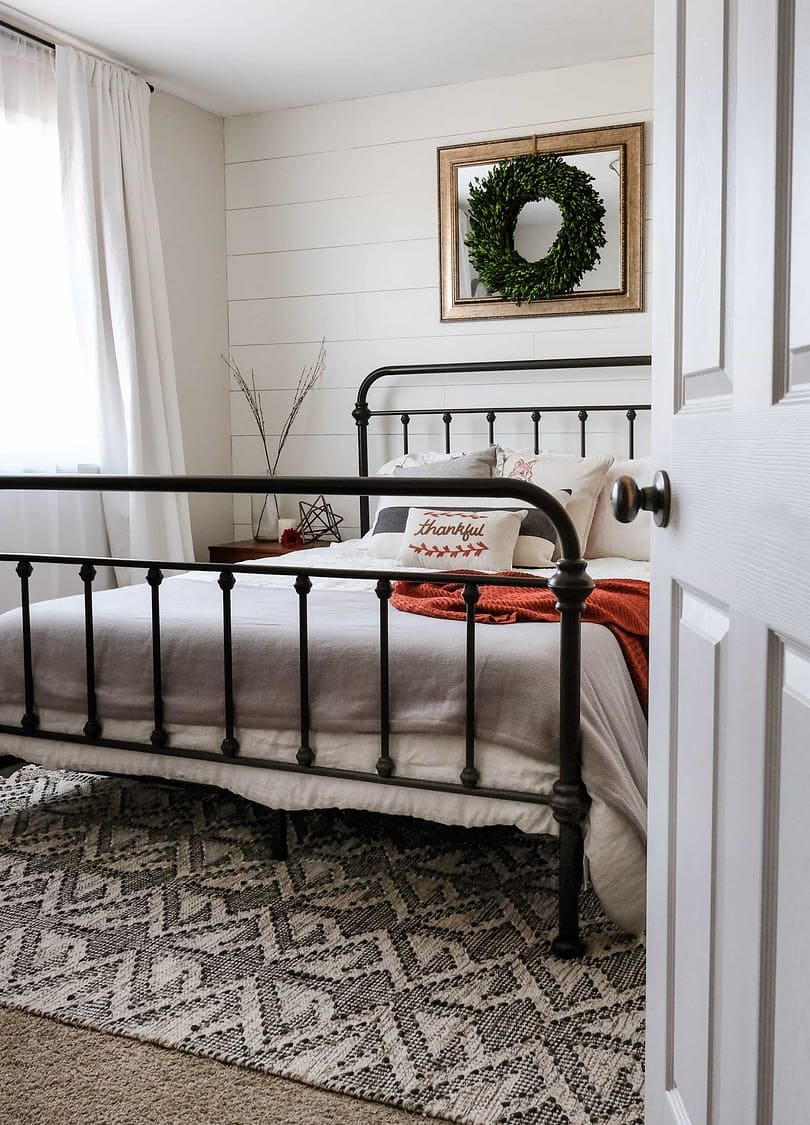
[
  {"x": 318, "y": 519},
  {"x": 388, "y": 958}
]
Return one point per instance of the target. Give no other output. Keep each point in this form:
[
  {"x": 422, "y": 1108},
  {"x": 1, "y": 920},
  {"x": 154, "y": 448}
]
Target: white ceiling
[{"x": 242, "y": 56}]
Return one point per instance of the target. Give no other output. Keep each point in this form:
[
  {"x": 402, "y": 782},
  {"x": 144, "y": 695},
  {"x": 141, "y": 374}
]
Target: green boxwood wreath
[{"x": 495, "y": 202}]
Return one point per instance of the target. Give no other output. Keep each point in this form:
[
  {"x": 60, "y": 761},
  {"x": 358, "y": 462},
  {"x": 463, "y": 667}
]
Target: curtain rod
[{"x": 44, "y": 42}]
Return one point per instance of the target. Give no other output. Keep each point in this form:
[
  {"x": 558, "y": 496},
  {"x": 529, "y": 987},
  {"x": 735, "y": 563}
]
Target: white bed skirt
[{"x": 616, "y": 856}]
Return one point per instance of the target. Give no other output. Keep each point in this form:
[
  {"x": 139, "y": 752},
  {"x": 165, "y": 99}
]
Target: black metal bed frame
[{"x": 570, "y": 583}]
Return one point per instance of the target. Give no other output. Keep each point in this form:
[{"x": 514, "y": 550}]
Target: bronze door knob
[{"x": 627, "y": 499}]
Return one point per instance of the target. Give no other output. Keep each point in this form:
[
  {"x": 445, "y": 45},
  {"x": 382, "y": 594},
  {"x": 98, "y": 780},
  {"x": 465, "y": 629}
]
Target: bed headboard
[{"x": 363, "y": 414}]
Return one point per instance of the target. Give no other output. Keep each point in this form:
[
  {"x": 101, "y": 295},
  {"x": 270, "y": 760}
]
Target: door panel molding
[
  {"x": 702, "y": 665},
  {"x": 769, "y": 883},
  {"x": 785, "y": 964},
  {"x": 792, "y": 201},
  {"x": 703, "y": 116},
  {"x": 787, "y": 349},
  {"x": 674, "y": 237},
  {"x": 676, "y": 612}
]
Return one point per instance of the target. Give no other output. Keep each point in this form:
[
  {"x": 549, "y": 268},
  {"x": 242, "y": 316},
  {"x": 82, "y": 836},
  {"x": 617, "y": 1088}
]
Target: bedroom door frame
[{"x": 728, "y": 895}]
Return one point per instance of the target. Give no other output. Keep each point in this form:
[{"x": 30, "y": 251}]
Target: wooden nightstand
[{"x": 243, "y": 550}]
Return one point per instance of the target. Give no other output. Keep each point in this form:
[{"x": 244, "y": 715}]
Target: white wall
[
  {"x": 332, "y": 230},
  {"x": 187, "y": 161}
]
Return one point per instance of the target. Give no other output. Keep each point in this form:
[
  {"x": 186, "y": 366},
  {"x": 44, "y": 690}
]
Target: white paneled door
[{"x": 729, "y": 806}]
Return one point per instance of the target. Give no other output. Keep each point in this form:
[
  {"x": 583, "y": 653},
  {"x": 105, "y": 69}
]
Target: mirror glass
[{"x": 539, "y": 223}]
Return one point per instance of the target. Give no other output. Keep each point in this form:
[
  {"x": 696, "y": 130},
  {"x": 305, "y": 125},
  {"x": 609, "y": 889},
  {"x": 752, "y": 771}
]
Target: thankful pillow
[
  {"x": 537, "y": 537},
  {"x": 460, "y": 539}
]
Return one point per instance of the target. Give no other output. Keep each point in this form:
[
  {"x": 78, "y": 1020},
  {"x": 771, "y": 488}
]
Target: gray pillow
[{"x": 479, "y": 464}]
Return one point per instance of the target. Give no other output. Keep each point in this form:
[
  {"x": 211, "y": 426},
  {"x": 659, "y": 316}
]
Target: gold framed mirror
[{"x": 614, "y": 157}]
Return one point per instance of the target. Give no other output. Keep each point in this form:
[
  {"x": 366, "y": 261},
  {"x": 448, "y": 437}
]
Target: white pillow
[
  {"x": 460, "y": 539},
  {"x": 584, "y": 477},
  {"x": 610, "y": 539}
]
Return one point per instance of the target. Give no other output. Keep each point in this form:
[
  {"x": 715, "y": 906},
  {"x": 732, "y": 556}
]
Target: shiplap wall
[{"x": 332, "y": 230}]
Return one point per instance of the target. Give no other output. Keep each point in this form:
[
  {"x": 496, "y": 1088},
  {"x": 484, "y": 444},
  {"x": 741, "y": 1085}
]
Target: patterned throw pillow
[
  {"x": 537, "y": 538},
  {"x": 584, "y": 476},
  {"x": 460, "y": 539}
]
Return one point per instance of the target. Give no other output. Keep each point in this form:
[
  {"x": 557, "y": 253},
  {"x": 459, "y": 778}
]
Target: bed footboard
[{"x": 570, "y": 583}]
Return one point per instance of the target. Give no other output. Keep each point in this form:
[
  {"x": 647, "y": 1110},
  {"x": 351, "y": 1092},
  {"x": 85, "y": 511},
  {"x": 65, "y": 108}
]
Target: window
[{"x": 47, "y": 403}]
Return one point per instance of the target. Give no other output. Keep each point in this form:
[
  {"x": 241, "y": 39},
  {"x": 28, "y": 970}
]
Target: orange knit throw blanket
[{"x": 621, "y": 604}]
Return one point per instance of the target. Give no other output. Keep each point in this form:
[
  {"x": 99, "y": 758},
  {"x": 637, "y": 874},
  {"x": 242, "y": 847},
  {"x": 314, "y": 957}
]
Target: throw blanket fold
[{"x": 620, "y": 604}]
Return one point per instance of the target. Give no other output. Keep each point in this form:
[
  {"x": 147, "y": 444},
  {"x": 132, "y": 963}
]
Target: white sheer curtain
[
  {"x": 47, "y": 404},
  {"x": 47, "y": 416},
  {"x": 119, "y": 290}
]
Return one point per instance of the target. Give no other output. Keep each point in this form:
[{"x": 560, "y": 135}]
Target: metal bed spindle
[
  {"x": 30, "y": 720},
  {"x": 470, "y": 775},
  {"x": 447, "y": 418},
  {"x": 230, "y": 744},
  {"x": 405, "y": 419},
  {"x": 583, "y": 418},
  {"x": 631, "y": 441},
  {"x": 158, "y": 737},
  {"x": 536, "y": 416},
  {"x": 385, "y": 765},
  {"x": 303, "y": 585},
  {"x": 92, "y": 728}
]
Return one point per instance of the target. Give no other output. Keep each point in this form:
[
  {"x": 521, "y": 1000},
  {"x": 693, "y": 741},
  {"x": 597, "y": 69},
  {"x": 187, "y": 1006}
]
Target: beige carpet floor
[{"x": 52, "y": 1074}]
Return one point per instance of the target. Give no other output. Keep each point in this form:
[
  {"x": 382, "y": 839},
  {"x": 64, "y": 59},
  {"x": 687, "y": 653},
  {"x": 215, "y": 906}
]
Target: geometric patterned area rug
[{"x": 389, "y": 958}]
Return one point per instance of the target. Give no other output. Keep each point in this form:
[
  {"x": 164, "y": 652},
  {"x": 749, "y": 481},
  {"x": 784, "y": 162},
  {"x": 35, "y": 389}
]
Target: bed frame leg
[
  {"x": 568, "y": 943},
  {"x": 278, "y": 833},
  {"x": 569, "y": 804}
]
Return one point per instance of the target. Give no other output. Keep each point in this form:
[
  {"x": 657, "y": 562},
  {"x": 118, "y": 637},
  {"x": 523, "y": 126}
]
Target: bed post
[
  {"x": 569, "y": 799},
  {"x": 361, "y": 415}
]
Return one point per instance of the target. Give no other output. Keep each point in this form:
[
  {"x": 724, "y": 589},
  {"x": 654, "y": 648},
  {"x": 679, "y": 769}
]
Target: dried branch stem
[{"x": 308, "y": 379}]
